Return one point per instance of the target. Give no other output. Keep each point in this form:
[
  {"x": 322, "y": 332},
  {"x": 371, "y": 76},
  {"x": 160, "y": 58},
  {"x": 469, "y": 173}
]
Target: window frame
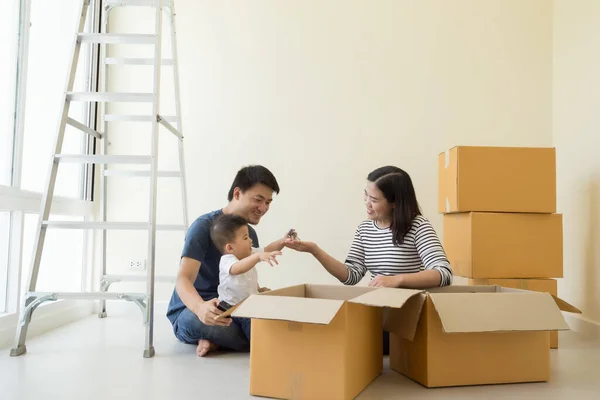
[{"x": 20, "y": 202}]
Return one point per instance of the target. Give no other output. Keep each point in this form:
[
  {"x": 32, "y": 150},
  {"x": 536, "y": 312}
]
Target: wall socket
[{"x": 137, "y": 265}]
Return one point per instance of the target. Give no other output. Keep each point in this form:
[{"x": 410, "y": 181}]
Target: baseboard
[
  {"x": 44, "y": 319},
  {"x": 583, "y": 325}
]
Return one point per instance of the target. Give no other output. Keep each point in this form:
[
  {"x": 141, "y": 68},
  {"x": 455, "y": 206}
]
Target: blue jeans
[
  {"x": 189, "y": 329},
  {"x": 386, "y": 343},
  {"x": 244, "y": 324}
]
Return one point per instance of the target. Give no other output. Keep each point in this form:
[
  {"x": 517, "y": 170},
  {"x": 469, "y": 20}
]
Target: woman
[{"x": 397, "y": 245}]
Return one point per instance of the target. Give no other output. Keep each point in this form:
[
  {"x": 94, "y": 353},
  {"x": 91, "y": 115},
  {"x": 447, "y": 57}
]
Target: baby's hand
[{"x": 269, "y": 256}]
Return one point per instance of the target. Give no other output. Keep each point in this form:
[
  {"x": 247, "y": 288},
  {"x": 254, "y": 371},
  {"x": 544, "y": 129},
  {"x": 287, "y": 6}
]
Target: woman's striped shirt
[{"x": 373, "y": 250}]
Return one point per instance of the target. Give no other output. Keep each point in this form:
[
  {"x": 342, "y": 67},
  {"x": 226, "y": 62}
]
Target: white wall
[
  {"x": 576, "y": 123},
  {"x": 322, "y": 92}
]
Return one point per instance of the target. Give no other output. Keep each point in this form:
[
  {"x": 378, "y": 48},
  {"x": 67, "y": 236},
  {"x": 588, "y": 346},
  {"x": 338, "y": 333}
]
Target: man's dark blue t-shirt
[{"x": 200, "y": 247}]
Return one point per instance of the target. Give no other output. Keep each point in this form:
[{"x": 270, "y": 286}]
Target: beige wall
[
  {"x": 576, "y": 135},
  {"x": 322, "y": 92}
]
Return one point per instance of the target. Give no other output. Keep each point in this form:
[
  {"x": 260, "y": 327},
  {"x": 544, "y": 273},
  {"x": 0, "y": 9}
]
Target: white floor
[{"x": 102, "y": 359}]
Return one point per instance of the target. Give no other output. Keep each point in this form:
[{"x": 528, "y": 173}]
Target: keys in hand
[{"x": 292, "y": 234}]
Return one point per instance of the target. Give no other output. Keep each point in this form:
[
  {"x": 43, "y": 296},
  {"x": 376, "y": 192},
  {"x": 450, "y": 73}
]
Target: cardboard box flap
[
  {"x": 405, "y": 308},
  {"x": 292, "y": 291},
  {"x": 386, "y": 297},
  {"x": 297, "y": 309},
  {"x": 335, "y": 292},
  {"x": 564, "y": 306},
  {"x": 497, "y": 312},
  {"x": 404, "y": 321}
]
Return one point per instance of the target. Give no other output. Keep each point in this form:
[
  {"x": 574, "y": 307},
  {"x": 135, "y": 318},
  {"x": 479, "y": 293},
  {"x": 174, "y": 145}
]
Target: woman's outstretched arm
[{"x": 349, "y": 273}]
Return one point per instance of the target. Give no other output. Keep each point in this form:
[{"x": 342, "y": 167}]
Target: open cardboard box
[
  {"x": 325, "y": 342},
  {"x": 535, "y": 285},
  {"x": 473, "y": 335},
  {"x": 316, "y": 341}
]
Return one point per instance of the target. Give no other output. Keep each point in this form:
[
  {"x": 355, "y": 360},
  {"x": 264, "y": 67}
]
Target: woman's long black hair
[{"x": 397, "y": 187}]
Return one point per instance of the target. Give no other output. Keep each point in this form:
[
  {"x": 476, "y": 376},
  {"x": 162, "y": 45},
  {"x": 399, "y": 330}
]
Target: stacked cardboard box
[{"x": 500, "y": 221}]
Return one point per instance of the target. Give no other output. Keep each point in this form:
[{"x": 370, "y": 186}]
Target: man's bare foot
[{"x": 205, "y": 346}]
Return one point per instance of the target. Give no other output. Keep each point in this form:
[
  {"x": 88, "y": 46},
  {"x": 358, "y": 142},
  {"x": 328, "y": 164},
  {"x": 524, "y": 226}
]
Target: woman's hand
[
  {"x": 333, "y": 266},
  {"x": 385, "y": 281},
  {"x": 301, "y": 245}
]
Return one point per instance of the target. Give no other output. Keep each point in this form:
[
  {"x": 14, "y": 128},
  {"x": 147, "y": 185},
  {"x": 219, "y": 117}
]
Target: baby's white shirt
[{"x": 235, "y": 288}]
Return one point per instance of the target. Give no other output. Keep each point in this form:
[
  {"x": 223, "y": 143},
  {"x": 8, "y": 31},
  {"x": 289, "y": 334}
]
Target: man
[{"x": 192, "y": 309}]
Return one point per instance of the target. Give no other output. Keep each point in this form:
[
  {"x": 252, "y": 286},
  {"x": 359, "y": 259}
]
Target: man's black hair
[{"x": 252, "y": 175}]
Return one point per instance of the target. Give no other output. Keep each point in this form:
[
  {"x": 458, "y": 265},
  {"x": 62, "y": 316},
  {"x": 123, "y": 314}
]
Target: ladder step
[
  {"x": 143, "y": 3},
  {"x": 137, "y": 278},
  {"x": 117, "y": 38},
  {"x": 111, "y": 97},
  {"x": 103, "y": 159},
  {"x": 136, "y": 118},
  {"x": 136, "y": 61},
  {"x": 170, "y": 227},
  {"x": 124, "y": 226},
  {"x": 89, "y": 295},
  {"x": 143, "y": 174}
]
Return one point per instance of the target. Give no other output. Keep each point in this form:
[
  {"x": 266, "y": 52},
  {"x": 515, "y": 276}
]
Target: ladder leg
[
  {"x": 40, "y": 234},
  {"x": 149, "y": 344},
  {"x": 104, "y": 285},
  {"x": 104, "y": 151},
  {"x": 31, "y": 303},
  {"x": 19, "y": 347},
  {"x": 178, "y": 114}
]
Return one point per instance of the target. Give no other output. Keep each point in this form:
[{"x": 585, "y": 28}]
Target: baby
[{"x": 238, "y": 278}]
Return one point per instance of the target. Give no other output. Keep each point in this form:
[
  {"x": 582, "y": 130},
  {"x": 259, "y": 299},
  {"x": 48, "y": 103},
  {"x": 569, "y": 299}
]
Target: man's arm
[
  {"x": 279, "y": 244},
  {"x": 275, "y": 246},
  {"x": 188, "y": 272},
  {"x": 205, "y": 310}
]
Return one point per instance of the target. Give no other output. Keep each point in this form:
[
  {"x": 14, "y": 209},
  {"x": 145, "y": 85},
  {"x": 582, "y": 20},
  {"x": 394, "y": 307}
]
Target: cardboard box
[
  {"x": 536, "y": 285},
  {"x": 317, "y": 341},
  {"x": 473, "y": 335},
  {"x": 325, "y": 342},
  {"x": 504, "y": 245},
  {"x": 497, "y": 179}
]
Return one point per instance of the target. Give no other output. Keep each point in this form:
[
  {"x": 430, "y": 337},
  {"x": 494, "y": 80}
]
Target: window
[
  {"x": 61, "y": 265},
  {"x": 4, "y": 246},
  {"x": 9, "y": 26},
  {"x": 37, "y": 39},
  {"x": 51, "y": 35}
]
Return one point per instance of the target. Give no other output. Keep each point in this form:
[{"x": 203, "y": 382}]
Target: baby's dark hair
[{"x": 223, "y": 229}]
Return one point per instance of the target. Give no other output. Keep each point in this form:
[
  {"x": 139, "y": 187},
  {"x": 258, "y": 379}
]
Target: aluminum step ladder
[{"x": 144, "y": 300}]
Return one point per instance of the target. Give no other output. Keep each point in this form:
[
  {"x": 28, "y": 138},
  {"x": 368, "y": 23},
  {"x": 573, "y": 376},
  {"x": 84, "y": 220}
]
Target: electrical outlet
[{"x": 137, "y": 265}]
